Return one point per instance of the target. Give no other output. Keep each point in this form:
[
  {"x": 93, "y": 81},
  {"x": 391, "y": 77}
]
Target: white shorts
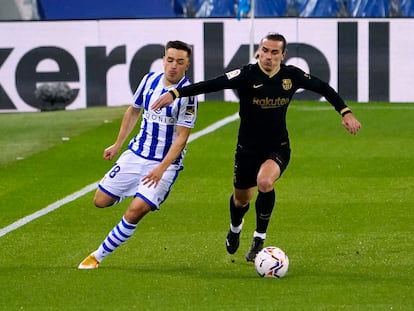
[{"x": 124, "y": 179}]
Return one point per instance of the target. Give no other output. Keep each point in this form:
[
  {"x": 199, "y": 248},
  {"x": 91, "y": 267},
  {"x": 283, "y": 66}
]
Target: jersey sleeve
[
  {"x": 138, "y": 98},
  {"x": 187, "y": 112},
  {"x": 229, "y": 80},
  {"x": 312, "y": 83}
]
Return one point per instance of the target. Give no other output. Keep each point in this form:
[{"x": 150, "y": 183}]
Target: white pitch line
[
  {"x": 50, "y": 208},
  {"x": 54, "y": 206},
  {"x": 213, "y": 127}
]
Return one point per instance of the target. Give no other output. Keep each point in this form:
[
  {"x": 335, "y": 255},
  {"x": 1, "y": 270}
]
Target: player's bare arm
[
  {"x": 129, "y": 121},
  {"x": 154, "y": 176}
]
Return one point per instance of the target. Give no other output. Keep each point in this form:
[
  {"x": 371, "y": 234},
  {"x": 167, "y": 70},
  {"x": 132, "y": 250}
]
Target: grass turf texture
[{"x": 344, "y": 216}]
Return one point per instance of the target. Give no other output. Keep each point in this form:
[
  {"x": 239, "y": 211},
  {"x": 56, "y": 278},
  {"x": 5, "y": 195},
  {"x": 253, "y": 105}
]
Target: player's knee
[
  {"x": 102, "y": 199},
  {"x": 241, "y": 202},
  {"x": 264, "y": 184},
  {"x": 101, "y": 202},
  {"x": 242, "y": 198}
]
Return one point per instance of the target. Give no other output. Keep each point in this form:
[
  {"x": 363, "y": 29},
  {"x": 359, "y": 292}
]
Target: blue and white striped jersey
[{"x": 158, "y": 128}]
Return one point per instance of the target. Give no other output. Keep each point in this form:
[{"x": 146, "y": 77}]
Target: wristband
[
  {"x": 174, "y": 93},
  {"x": 345, "y": 111}
]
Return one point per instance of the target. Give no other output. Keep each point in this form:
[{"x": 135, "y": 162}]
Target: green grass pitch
[{"x": 344, "y": 215}]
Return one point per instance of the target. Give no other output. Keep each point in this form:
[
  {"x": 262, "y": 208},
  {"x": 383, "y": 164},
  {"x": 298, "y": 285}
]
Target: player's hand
[
  {"x": 110, "y": 152},
  {"x": 351, "y": 124},
  {"x": 163, "y": 101},
  {"x": 153, "y": 177}
]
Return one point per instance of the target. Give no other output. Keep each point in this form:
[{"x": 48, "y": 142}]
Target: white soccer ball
[{"x": 271, "y": 262}]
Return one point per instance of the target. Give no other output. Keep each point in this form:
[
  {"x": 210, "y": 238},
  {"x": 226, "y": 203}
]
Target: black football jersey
[{"x": 264, "y": 101}]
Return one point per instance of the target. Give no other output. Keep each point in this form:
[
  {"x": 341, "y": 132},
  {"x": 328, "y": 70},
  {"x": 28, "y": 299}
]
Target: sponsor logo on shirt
[
  {"x": 162, "y": 119},
  {"x": 267, "y": 102}
]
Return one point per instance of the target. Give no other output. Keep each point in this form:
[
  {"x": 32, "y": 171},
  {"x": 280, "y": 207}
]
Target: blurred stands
[
  {"x": 18, "y": 10},
  {"x": 407, "y": 7},
  {"x": 104, "y": 9},
  {"x": 9, "y": 11},
  {"x": 109, "y": 9}
]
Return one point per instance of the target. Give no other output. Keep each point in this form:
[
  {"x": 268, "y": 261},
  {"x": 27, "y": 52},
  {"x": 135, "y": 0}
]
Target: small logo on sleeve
[{"x": 233, "y": 74}]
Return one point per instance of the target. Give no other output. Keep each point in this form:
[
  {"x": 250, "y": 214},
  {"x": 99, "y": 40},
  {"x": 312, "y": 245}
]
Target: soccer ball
[{"x": 271, "y": 262}]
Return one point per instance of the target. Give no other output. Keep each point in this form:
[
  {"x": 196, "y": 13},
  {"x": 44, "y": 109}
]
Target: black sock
[
  {"x": 237, "y": 213},
  {"x": 264, "y": 206}
]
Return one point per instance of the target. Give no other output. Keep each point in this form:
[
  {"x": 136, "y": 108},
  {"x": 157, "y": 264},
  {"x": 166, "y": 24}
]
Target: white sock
[
  {"x": 259, "y": 235},
  {"x": 236, "y": 229},
  {"x": 119, "y": 235}
]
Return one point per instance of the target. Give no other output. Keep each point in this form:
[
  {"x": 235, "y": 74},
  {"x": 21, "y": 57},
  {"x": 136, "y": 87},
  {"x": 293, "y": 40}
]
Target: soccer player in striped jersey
[{"x": 149, "y": 167}]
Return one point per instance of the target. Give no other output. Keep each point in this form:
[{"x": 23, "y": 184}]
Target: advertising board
[{"x": 102, "y": 61}]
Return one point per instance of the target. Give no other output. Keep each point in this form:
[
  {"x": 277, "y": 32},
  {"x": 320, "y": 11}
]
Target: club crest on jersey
[
  {"x": 286, "y": 84},
  {"x": 232, "y": 74}
]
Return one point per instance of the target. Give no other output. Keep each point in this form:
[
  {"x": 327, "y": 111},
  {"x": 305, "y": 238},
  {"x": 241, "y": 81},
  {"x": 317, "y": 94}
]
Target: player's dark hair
[
  {"x": 179, "y": 45},
  {"x": 274, "y": 36}
]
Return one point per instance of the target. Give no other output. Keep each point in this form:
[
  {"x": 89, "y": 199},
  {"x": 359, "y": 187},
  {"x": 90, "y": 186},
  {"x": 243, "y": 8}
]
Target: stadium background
[
  {"x": 361, "y": 46},
  {"x": 344, "y": 211},
  {"x": 95, "y": 9}
]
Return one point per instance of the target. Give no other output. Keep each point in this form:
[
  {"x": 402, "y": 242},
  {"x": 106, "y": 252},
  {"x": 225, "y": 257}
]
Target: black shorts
[{"x": 247, "y": 164}]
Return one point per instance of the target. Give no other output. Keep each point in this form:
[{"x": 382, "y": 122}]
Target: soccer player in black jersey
[{"x": 265, "y": 90}]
